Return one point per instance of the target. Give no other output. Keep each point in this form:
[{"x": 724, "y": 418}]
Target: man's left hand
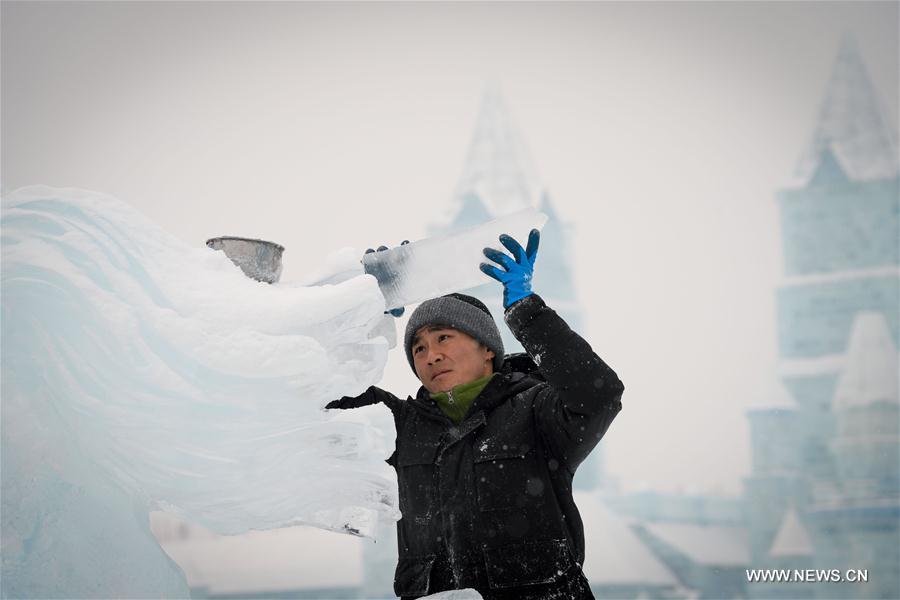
[
  {"x": 517, "y": 271},
  {"x": 394, "y": 312}
]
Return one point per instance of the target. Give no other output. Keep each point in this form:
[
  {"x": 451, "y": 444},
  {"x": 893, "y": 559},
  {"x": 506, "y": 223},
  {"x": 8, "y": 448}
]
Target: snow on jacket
[{"x": 487, "y": 504}]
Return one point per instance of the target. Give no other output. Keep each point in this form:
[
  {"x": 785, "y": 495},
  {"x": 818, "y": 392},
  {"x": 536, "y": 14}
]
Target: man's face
[{"x": 446, "y": 357}]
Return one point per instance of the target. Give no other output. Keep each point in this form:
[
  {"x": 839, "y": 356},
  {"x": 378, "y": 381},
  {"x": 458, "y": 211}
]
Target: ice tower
[
  {"x": 498, "y": 168},
  {"x": 824, "y": 487},
  {"x": 499, "y": 178}
]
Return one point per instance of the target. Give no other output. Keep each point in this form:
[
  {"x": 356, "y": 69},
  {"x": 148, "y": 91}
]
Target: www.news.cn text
[{"x": 807, "y": 575}]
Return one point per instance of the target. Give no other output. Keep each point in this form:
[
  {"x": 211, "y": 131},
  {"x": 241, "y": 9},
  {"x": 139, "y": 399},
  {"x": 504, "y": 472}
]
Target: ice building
[
  {"x": 701, "y": 541},
  {"x": 823, "y": 492}
]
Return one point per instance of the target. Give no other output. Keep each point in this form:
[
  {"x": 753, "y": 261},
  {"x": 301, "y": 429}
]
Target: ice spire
[
  {"x": 792, "y": 538},
  {"x": 871, "y": 372},
  {"x": 851, "y": 126},
  {"x": 498, "y": 168}
]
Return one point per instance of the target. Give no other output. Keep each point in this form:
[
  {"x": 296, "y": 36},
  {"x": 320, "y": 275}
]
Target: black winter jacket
[{"x": 487, "y": 504}]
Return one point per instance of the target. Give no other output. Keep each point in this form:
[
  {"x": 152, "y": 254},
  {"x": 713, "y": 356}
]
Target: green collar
[{"x": 456, "y": 403}]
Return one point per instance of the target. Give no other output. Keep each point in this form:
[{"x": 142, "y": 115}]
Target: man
[{"x": 487, "y": 449}]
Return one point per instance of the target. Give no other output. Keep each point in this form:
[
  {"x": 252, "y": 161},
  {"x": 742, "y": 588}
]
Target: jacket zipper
[{"x": 450, "y": 397}]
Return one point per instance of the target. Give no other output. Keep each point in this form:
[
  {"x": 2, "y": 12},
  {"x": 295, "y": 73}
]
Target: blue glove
[
  {"x": 516, "y": 278},
  {"x": 395, "y": 312}
]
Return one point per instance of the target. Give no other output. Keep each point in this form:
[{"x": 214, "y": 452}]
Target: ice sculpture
[{"x": 139, "y": 372}]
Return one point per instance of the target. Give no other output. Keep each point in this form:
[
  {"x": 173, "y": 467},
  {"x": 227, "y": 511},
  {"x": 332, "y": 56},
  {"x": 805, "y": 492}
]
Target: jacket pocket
[
  {"x": 527, "y": 563},
  {"x": 416, "y": 480},
  {"x": 413, "y": 575},
  {"x": 503, "y": 480}
]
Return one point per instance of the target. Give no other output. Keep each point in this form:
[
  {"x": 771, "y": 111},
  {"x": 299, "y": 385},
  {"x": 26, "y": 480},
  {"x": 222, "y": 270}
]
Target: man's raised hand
[{"x": 516, "y": 271}]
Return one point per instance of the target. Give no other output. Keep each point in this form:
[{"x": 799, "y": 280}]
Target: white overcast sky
[{"x": 662, "y": 131}]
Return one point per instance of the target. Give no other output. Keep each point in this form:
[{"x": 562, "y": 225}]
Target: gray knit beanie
[{"x": 461, "y": 312}]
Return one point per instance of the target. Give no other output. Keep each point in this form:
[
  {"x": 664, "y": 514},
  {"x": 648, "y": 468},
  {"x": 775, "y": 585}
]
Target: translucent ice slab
[{"x": 440, "y": 265}]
